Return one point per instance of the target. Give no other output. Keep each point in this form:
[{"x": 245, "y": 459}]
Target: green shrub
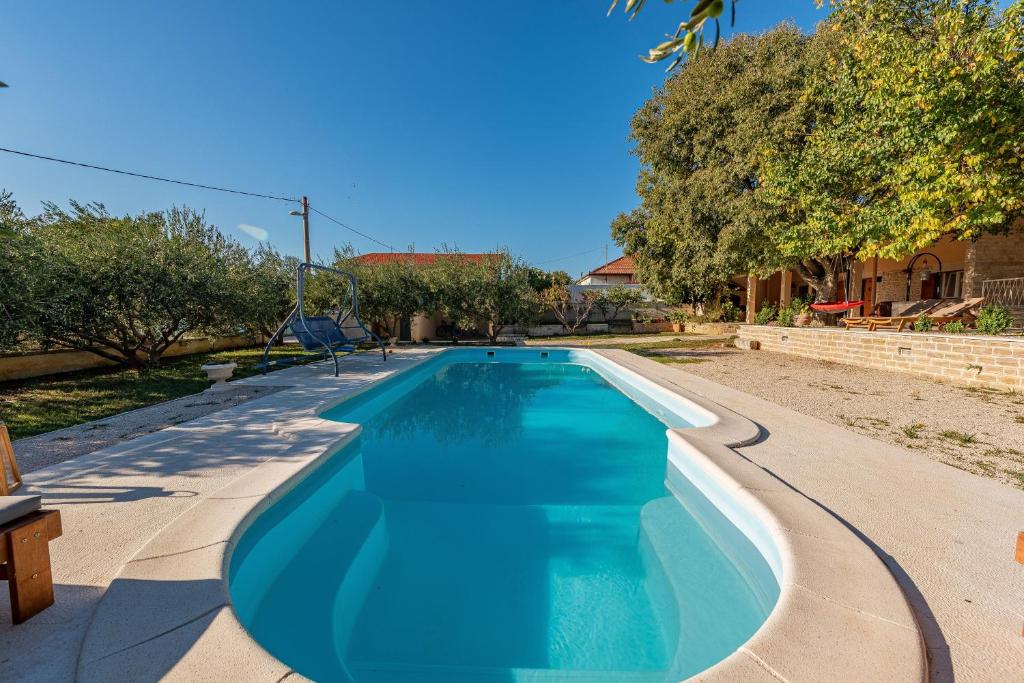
[
  {"x": 923, "y": 323},
  {"x": 728, "y": 312},
  {"x": 993, "y": 319},
  {"x": 955, "y": 327},
  {"x": 787, "y": 314},
  {"x": 678, "y": 316},
  {"x": 765, "y": 315}
]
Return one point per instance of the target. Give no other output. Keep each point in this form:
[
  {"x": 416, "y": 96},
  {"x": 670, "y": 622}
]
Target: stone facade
[
  {"x": 893, "y": 287},
  {"x": 994, "y": 257},
  {"x": 995, "y": 362}
]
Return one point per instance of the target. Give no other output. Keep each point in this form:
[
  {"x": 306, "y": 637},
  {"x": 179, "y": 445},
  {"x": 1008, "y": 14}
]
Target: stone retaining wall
[
  {"x": 711, "y": 328},
  {"x": 995, "y": 362},
  {"x": 25, "y": 365}
]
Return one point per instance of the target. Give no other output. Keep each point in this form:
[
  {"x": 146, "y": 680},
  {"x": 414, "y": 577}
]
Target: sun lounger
[
  {"x": 856, "y": 322},
  {"x": 892, "y": 324},
  {"x": 956, "y": 309},
  {"x": 941, "y": 312},
  {"x": 919, "y": 307},
  {"x": 25, "y": 535}
]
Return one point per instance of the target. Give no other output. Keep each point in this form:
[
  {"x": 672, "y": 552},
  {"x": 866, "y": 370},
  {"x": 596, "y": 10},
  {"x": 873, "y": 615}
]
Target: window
[{"x": 951, "y": 284}]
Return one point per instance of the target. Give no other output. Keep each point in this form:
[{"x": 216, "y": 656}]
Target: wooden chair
[
  {"x": 8, "y": 463},
  {"x": 25, "y": 535}
]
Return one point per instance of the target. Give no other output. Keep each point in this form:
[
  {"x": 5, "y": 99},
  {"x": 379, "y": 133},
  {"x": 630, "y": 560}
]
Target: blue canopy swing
[{"x": 324, "y": 332}]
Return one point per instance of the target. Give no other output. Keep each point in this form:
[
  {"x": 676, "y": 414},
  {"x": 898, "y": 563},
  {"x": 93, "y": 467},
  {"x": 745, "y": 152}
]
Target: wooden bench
[{"x": 25, "y": 554}]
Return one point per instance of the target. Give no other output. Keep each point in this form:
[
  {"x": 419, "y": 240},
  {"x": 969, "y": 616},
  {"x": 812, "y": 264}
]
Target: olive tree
[
  {"x": 570, "y": 310},
  {"x": 389, "y": 292},
  {"x": 613, "y": 300},
  {"x": 127, "y": 288},
  {"x": 507, "y": 294},
  {"x": 270, "y": 294},
  {"x": 12, "y": 286}
]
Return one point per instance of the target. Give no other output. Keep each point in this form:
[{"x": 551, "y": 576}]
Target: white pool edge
[{"x": 840, "y": 613}]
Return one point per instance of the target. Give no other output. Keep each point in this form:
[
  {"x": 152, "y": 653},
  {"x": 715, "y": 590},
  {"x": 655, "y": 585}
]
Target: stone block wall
[
  {"x": 994, "y": 257},
  {"x": 893, "y": 287},
  {"x": 994, "y": 362},
  {"x": 25, "y": 365}
]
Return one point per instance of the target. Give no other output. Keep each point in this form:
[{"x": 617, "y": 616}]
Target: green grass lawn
[{"x": 42, "y": 404}]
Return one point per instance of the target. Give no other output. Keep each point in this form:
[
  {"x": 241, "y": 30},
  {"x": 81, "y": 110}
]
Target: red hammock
[{"x": 837, "y": 306}]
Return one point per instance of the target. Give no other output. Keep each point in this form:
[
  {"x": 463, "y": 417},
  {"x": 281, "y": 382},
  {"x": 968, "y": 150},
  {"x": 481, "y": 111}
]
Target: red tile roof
[
  {"x": 418, "y": 259},
  {"x": 621, "y": 266}
]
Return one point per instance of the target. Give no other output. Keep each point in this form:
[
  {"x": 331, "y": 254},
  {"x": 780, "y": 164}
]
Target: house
[
  {"x": 991, "y": 266},
  {"x": 420, "y": 326},
  {"x": 620, "y": 271}
]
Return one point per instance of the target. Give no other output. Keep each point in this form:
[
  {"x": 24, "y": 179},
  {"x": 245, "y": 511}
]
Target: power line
[
  {"x": 201, "y": 186},
  {"x": 148, "y": 177},
  {"x": 563, "y": 258},
  {"x": 349, "y": 227}
]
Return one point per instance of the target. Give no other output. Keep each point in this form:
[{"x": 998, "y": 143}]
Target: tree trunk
[{"x": 823, "y": 277}]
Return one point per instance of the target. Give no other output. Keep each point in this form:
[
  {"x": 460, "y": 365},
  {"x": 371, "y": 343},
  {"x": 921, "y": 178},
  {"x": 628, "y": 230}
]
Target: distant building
[{"x": 620, "y": 271}]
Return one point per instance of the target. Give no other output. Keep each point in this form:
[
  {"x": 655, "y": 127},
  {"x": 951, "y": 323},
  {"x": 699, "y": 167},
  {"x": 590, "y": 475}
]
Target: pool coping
[{"x": 840, "y": 612}]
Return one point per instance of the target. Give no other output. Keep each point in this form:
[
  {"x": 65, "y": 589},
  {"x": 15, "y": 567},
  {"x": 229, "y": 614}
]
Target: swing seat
[{"x": 320, "y": 331}]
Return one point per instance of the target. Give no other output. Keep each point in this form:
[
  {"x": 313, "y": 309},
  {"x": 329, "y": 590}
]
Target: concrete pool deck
[
  {"x": 940, "y": 530},
  {"x": 946, "y": 535}
]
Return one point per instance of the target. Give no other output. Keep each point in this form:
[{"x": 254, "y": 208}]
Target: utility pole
[
  {"x": 305, "y": 226},
  {"x": 606, "y": 254}
]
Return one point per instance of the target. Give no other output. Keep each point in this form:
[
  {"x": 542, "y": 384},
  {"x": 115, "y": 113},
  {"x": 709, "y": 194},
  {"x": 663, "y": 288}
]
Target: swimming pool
[{"x": 504, "y": 515}]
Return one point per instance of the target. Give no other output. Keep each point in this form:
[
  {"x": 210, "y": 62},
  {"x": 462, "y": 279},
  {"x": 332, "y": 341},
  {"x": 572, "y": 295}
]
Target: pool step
[
  {"x": 698, "y": 583},
  {"x": 310, "y": 608},
  {"x": 388, "y": 672}
]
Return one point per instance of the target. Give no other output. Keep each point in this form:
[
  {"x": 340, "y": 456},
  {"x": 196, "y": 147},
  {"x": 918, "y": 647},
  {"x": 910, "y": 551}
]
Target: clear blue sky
[{"x": 472, "y": 122}]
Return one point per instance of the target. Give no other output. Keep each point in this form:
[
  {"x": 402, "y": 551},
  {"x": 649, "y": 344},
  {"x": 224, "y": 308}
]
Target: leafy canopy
[
  {"x": 699, "y": 141},
  {"x": 917, "y": 132},
  {"x": 126, "y": 288}
]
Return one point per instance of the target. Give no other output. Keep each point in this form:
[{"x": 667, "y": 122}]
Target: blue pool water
[{"x": 499, "y": 521}]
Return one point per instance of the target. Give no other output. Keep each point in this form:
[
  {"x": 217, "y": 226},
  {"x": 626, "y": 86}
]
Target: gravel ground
[
  {"x": 604, "y": 339},
  {"x": 37, "y": 452},
  {"x": 977, "y": 430}
]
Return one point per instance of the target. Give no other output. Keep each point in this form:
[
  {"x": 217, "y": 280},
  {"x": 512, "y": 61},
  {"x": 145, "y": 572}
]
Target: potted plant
[
  {"x": 803, "y": 316},
  {"x": 678, "y": 319}
]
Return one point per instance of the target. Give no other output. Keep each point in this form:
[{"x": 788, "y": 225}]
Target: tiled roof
[
  {"x": 417, "y": 259},
  {"x": 621, "y": 266}
]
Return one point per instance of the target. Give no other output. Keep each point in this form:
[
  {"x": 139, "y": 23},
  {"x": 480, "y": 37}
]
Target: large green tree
[
  {"x": 917, "y": 133},
  {"x": 699, "y": 139}
]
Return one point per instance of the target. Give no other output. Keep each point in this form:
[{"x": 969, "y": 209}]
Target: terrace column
[
  {"x": 857, "y": 275},
  {"x": 785, "y": 287},
  {"x": 752, "y": 299}
]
